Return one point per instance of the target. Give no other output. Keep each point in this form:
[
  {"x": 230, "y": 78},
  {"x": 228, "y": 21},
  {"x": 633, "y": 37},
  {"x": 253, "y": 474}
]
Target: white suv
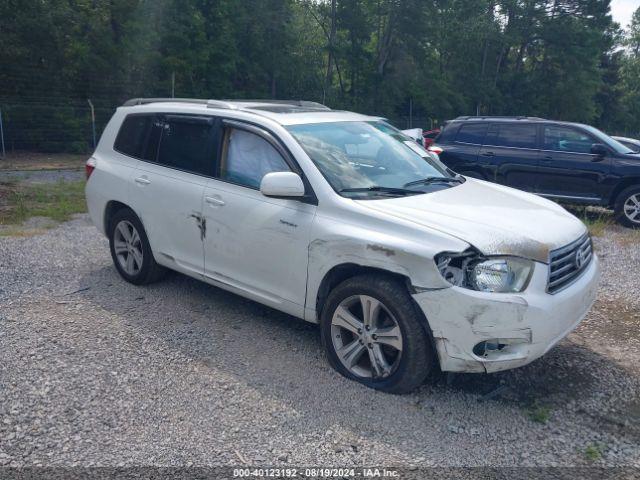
[{"x": 340, "y": 219}]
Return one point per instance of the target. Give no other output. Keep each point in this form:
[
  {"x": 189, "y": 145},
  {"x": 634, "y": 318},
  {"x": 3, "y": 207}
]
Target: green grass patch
[
  {"x": 539, "y": 413},
  {"x": 57, "y": 201},
  {"x": 594, "y": 452},
  {"x": 598, "y": 225}
]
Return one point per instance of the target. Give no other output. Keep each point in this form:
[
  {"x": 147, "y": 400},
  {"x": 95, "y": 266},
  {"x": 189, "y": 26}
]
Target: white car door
[
  {"x": 255, "y": 244},
  {"x": 168, "y": 190}
]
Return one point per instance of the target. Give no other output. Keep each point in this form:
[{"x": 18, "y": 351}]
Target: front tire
[
  {"x": 373, "y": 334},
  {"x": 130, "y": 249},
  {"x": 627, "y": 207}
]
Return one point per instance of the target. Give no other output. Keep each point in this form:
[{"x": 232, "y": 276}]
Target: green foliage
[
  {"x": 630, "y": 76},
  {"x": 594, "y": 452},
  {"x": 539, "y": 413},
  {"x": 555, "y": 58}
]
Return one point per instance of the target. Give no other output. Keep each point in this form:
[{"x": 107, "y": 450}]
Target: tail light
[
  {"x": 89, "y": 167},
  {"x": 435, "y": 149}
]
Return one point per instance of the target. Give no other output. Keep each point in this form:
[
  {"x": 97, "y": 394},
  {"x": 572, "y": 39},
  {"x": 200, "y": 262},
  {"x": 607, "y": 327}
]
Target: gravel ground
[{"x": 94, "y": 371}]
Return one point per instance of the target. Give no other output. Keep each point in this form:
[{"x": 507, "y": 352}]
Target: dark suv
[{"x": 570, "y": 162}]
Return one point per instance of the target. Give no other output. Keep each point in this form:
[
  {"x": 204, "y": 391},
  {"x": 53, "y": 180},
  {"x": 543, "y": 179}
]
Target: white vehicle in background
[{"x": 339, "y": 219}]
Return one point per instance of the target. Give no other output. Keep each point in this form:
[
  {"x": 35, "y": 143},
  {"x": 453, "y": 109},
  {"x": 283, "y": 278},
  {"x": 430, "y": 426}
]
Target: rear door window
[
  {"x": 186, "y": 144},
  {"x": 565, "y": 139},
  {"x": 132, "y": 137},
  {"x": 472, "y": 133},
  {"x": 512, "y": 135}
]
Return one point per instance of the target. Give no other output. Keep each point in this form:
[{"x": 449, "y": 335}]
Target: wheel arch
[
  {"x": 111, "y": 208},
  {"x": 340, "y": 273},
  {"x": 344, "y": 271},
  {"x": 622, "y": 186}
]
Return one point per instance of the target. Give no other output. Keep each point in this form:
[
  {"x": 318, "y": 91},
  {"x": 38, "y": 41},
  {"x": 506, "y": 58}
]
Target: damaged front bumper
[{"x": 489, "y": 332}]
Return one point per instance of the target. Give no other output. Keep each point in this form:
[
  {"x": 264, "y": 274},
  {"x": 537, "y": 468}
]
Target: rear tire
[
  {"x": 627, "y": 207},
  {"x": 130, "y": 249},
  {"x": 394, "y": 354}
]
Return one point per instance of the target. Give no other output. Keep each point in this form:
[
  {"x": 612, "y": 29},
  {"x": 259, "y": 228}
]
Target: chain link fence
[
  {"x": 74, "y": 125},
  {"x": 69, "y": 126}
]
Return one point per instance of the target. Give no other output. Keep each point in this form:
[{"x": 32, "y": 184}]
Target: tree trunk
[{"x": 330, "y": 60}]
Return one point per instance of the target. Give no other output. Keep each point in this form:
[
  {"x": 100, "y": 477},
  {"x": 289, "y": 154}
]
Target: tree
[{"x": 553, "y": 58}]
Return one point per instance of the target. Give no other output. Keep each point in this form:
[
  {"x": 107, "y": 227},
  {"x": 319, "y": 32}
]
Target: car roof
[
  {"x": 284, "y": 112},
  {"x": 513, "y": 119}
]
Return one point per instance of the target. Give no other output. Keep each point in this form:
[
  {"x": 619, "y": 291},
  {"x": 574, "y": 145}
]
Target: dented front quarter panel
[{"x": 378, "y": 243}]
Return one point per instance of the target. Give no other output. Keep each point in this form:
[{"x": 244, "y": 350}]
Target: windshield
[
  {"x": 607, "y": 140},
  {"x": 358, "y": 156}
]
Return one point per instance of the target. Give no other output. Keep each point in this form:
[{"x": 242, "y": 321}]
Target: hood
[{"x": 496, "y": 220}]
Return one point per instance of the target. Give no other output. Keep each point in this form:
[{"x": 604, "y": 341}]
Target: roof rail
[
  {"x": 295, "y": 103},
  {"x": 225, "y": 104},
  {"x": 497, "y": 117},
  {"x": 146, "y": 101}
]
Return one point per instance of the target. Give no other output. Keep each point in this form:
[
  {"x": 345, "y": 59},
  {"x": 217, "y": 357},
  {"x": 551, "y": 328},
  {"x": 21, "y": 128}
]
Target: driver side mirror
[
  {"x": 282, "y": 185},
  {"x": 599, "y": 149}
]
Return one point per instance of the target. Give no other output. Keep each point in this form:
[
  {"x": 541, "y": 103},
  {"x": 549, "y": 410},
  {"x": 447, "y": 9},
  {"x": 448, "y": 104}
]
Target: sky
[{"x": 623, "y": 9}]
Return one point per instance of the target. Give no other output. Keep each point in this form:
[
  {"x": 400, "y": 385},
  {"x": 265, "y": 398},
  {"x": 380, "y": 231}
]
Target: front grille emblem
[{"x": 581, "y": 257}]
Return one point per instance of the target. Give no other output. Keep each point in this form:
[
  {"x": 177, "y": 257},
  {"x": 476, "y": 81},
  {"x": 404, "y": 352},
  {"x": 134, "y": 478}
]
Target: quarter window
[
  {"x": 132, "y": 137},
  {"x": 247, "y": 157},
  {"x": 472, "y": 133},
  {"x": 563, "y": 139},
  {"x": 185, "y": 145},
  {"x": 519, "y": 136}
]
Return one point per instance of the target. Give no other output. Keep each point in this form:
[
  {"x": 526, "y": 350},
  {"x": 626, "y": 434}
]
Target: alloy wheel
[
  {"x": 128, "y": 247},
  {"x": 366, "y": 337},
  {"x": 631, "y": 208}
]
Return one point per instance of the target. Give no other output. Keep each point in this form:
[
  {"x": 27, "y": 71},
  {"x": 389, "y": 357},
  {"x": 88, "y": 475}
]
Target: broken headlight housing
[{"x": 485, "y": 274}]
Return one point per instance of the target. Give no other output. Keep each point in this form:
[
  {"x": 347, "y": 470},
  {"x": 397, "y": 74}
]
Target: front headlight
[{"x": 485, "y": 274}]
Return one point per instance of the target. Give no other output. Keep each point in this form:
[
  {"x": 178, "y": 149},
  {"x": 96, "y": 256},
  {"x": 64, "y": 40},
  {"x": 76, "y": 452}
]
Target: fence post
[
  {"x": 411, "y": 113},
  {"x": 93, "y": 123},
  {"x": 2, "y": 135}
]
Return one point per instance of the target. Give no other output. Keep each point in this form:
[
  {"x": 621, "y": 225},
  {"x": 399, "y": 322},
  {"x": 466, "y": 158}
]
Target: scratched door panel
[{"x": 256, "y": 243}]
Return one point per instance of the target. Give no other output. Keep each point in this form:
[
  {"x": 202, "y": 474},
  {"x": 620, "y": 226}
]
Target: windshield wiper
[
  {"x": 429, "y": 180},
  {"x": 378, "y": 188}
]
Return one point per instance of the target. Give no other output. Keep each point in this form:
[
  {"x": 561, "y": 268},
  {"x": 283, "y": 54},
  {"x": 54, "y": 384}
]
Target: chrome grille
[{"x": 567, "y": 263}]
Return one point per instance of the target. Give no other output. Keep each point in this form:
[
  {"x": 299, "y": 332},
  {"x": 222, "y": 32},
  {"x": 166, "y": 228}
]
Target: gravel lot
[{"x": 94, "y": 371}]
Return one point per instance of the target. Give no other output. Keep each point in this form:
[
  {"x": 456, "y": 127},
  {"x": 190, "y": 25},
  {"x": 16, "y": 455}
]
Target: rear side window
[
  {"x": 472, "y": 133},
  {"x": 507, "y": 135},
  {"x": 132, "y": 137},
  {"x": 186, "y": 145}
]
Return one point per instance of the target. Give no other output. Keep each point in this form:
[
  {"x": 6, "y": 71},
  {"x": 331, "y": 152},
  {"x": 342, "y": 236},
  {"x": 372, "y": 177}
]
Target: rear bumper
[{"x": 529, "y": 324}]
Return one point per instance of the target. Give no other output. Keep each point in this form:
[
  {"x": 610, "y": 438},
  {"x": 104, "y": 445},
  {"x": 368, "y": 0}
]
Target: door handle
[
  {"x": 142, "y": 181},
  {"x": 218, "y": 202},
  {"x": 547, "y": 158},
  {"x": 488, "y": 154},
  {"x": 598, "y": 158}
]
